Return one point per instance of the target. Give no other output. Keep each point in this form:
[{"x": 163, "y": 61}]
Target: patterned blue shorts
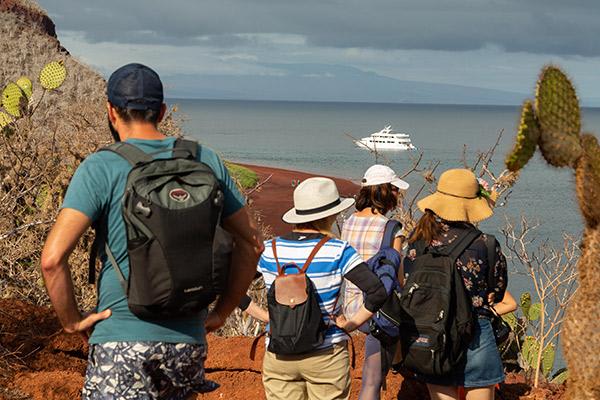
[{"x": 145, "y": 371}]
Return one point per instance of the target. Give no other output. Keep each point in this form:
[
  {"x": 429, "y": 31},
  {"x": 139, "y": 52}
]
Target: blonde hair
[{"x": 322, "y": 225}]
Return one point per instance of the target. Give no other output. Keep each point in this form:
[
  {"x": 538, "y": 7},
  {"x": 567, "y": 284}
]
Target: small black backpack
[
  {"x": 436, "y": 310},
  {"x": 296, "y": 323},
  {"x": 178, "y": 253}
]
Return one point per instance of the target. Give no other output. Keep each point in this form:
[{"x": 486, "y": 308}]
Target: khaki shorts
[{"x": 322, "y": 375}]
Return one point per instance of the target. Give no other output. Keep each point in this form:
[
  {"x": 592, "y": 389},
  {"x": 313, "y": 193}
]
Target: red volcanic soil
[
  {"x": 50, "y": 365},
  {"x": 275, "y": 196},
  {"x": 43, "y": 363}
]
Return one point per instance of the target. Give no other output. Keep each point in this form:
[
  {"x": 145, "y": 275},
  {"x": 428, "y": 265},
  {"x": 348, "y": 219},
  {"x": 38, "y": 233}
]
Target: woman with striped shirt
[
  {"x": 364, "y": 230},
  {"x": 325, "y": 372}
]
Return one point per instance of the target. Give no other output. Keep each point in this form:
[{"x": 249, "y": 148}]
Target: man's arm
[
  {"x": 247, "y": 248},
  {"x": 66, "y": 232}
]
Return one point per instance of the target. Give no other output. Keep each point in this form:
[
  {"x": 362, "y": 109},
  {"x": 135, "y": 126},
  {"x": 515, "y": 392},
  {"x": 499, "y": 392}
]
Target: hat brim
[
  {"x": 400, "y": 184},
  {"x": 453, "y": 208},
  {"x": 292, "y": 217}
]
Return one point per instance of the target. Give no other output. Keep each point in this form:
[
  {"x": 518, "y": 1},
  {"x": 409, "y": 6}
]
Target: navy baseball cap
[{"x": 136, "y": 87}]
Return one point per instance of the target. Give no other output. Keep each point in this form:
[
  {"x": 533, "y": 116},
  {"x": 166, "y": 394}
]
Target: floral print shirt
[{"x": 473, "y": 265}]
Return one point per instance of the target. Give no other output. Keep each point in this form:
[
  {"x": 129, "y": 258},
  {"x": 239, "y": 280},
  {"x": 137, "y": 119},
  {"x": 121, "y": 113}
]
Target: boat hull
[{"x": 384, "y": 146}]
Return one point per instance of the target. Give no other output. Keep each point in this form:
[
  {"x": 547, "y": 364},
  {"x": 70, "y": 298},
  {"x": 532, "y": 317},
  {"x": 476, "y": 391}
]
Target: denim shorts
[{"x": 483, "y": 366}]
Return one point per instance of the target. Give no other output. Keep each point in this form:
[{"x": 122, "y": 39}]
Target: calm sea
[{"x": 313, "y": 137}]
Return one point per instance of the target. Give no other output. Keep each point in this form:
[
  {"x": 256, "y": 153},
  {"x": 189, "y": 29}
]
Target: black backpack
[
  {"x": 437, "y": 318},
  {"x": 295, "y": 319},
  {"x": 178, "y": 253}
]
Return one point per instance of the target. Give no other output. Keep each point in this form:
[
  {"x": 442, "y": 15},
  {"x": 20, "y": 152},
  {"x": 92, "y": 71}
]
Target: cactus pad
[
  {"x": 557, "y": 110},
  {"x": 559, "y": 150},
  {"x": 4, "y": 120},
  {"x": 53, "y": 75},
  {"x": 526, "y": 141},
  {"x": 587, "y": 179},
  {"x": 12, "y": 99},
  {"x": 25, "y": 84}
]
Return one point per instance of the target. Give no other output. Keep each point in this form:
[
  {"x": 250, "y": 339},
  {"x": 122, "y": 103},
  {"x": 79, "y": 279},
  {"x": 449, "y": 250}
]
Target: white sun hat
[
  {"x": 379, "y": 174},
  {"x": 316, "y": 198}
]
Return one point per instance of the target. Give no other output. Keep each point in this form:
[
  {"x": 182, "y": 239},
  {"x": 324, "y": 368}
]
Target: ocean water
[{"x": 313, "y": 137}]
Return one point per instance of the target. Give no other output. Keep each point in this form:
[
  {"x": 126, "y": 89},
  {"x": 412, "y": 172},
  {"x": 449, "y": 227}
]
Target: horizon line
[{"x": 175, "y": 98}]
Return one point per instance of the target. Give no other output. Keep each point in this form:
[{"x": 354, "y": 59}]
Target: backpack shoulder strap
[
  {"x": 100, "y": 241},
  {"x": 93, "y": 256},
  {"x": 314, "y": 252},
  {"x": 462, "y": 243},
  {"x": 129, "y": 152},
  {"x": 391, "y": 228},
  {"x": 190, "y": 147},
  {"x": 492, "y": 260},
  {"x": 274, "y": 247}
]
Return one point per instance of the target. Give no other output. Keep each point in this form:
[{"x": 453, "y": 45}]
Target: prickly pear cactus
[
  {"x": 527, "y": 138},
  {"x": 581, "y": 331},
  {"x": 557, "y": 109},
  {"x": 561, "y": 144},
  {"x": 587, "y": 180},
  {"x": 53, "y": 75},
  {"x": 25, "y": 84},
  {"x": 13, "y": 99},
  {"x": 4, "y": 120}
]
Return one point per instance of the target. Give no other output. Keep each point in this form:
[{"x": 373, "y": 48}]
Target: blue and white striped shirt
[{"x": 334, "y": 260}]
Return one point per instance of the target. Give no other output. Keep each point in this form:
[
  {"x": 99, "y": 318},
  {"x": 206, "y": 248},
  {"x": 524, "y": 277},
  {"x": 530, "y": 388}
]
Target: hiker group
[{"x": 179, "y": 249}]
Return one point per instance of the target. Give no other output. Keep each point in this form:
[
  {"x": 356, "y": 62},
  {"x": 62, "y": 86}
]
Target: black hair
[{"x": 129, "y": 115}]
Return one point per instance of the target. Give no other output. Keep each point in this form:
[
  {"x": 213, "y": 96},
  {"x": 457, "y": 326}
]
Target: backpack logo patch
[
  {"x": 179, "y": 195},
  {"x": 422, "y": 340}
]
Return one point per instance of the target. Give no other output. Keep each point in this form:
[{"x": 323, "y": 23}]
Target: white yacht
[{"x": 386, "y": 139}]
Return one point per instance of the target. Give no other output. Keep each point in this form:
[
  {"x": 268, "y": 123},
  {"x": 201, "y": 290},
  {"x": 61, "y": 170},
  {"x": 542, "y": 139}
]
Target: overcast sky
[{"x": 495, "y": 44}]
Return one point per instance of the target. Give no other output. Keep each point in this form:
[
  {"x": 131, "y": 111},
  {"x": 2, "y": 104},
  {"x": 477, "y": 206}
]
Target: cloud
[{"x": 534, "y": 26}]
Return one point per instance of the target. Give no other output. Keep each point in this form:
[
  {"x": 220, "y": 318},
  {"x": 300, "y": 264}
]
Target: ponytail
[{"x": 428, "y": 228}]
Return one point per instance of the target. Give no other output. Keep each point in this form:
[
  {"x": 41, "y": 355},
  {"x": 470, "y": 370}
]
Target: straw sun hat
[
  {"x": 316, "y": 198},
  {"x": 458, "y": 198}
]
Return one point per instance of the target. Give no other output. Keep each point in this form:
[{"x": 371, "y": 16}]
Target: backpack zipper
[
  {"x": 440, "y": 316},
  {"x": 414, "y": 287}
]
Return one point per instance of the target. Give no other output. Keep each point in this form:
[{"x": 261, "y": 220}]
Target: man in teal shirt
[{"x": 129, "y": 357}]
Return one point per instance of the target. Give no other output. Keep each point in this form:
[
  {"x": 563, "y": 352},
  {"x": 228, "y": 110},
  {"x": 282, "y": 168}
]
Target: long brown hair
[
  {"x": 428, "y": 228},
  {"x": 378, "y": 197}
]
